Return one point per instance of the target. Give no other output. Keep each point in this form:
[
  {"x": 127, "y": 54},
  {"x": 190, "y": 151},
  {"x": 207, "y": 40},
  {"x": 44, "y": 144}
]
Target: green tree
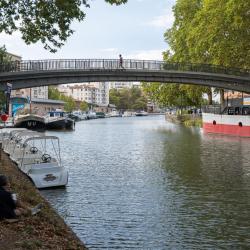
[
  {"x": 84, "y": 106},
  {"x": 174, "y": 94},
  {"x": 178, "y": 39},
  {"x": 128, "y": 98},
  {"x": 46, "y": 21},
  {"x": 114, "y": 97},
  {"x": 4, "y": 57},
  {"x": 54, "y": 94},
  {"x": 210, "y": 32},
  {"x": 221, "y": 33},
  {"x": 70, "y": 103}
]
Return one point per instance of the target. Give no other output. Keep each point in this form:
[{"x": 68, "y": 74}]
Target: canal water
[{"x": 143, "y": 183}]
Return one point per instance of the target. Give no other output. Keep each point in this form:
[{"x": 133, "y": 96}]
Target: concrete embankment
[{"x": 45, "y": 230}]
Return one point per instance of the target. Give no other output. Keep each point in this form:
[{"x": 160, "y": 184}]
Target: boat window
[
  {"x": 230, "y": 111},
  {"x": 237, "y": 111},
  {"x": 246, "y": 111}
]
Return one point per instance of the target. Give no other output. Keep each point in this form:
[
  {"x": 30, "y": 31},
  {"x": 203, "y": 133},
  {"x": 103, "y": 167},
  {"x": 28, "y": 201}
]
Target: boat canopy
[{"x": 45, "y": 137}]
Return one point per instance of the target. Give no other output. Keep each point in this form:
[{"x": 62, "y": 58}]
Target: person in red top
[{"x": 10, "y": 206}]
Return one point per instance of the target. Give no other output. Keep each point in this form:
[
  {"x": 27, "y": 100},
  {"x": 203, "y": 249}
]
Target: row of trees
[
  {"x": 70, "y": 103},
  {"x": 209, "y": 32},
  {"x": 128, "y": 99}
]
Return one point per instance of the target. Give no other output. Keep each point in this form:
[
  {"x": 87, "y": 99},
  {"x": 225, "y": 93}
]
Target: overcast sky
[{"x": 134, "y": 30}]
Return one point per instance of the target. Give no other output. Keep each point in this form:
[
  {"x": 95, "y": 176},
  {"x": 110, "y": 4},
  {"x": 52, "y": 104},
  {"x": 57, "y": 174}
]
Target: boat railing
[
  {"x": 213, "y": 109},
  {"x": 227, "y": 110}
]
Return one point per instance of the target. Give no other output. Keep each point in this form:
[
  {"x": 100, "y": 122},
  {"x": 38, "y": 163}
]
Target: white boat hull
[{"x": 46, "y": 175}]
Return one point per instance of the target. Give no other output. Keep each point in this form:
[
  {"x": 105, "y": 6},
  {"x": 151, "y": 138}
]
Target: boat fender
[
  {"x": 240, "y": 124},
  {"x": 214, "y": 122}
]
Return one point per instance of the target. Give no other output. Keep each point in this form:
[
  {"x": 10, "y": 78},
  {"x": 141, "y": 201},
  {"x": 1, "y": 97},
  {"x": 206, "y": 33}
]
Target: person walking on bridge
[{"x": 121, "y": 62}]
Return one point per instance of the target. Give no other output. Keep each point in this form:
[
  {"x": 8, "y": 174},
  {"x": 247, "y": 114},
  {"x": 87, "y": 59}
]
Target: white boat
[
  {"x": 78, "y": 115},
  {"x": 91, "y": 115},
  {"x": 16, "y": 152},
  {"x": 115, "y": 113},
  {"x": 5, "y": 133},
  {"x": 141, "y": 113},
  {"x": 9, "y": 140},
  {"x": 128, "y": 114},
  {"x": 39, "y": 158}
]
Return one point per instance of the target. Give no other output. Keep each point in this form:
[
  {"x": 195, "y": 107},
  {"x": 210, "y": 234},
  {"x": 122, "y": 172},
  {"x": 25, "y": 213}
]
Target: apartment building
[
  {"x": 37, "y": 92},
  {"x": 94, "y": 93}
]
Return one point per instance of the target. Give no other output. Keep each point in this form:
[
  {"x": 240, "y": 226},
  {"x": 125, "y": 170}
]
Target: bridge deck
[{"x": 45, "y": 72}]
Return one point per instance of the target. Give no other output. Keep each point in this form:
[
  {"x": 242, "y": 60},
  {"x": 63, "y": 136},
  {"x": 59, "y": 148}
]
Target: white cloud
[
  {"x": 162, "y": 21},
  {"x": 145, "y": 55},
  {"x": 109, "y": 50}
]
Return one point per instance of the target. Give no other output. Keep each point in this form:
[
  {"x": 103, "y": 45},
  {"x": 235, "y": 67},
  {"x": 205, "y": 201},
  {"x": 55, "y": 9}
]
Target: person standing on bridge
[{"x": 121, "y": 62}]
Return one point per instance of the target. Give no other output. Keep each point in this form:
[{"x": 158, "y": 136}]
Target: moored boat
[
  {"x": 30, "y": 121},
  {"x": 38, "y": 156},
  {"x": 58, "y": 120},
  {"x": 100, "y": 115},
  {"x": 141, "y": 113},
  {"x": 232, "y": 121}
]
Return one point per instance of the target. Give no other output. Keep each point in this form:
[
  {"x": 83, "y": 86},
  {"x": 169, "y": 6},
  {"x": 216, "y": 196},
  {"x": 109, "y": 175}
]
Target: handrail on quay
[{"x": 113, "y": 64}]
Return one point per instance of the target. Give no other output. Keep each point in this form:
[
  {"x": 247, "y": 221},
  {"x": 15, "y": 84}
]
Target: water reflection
[{"x": 146, "y": 184}]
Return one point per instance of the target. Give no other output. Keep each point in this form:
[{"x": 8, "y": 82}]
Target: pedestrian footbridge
[{"x": 34, "y": 73}]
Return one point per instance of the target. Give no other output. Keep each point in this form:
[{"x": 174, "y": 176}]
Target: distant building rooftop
[
  {"x": 47, "y": 101},
  {"x": 14, "y": 57}
]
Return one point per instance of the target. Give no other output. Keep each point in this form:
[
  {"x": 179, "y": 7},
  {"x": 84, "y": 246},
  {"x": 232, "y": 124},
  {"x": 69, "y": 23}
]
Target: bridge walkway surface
[{"x": 34, "y": 73}]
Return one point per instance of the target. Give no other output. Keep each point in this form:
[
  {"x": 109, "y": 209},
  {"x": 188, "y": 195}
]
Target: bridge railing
[{"x": 109, "y": 64}]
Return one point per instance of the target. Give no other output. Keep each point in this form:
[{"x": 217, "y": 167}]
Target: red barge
[{"x": 232, "y": 121}]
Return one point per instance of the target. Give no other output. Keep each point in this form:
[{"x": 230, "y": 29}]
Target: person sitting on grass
[{"x": 10, "y": 206}]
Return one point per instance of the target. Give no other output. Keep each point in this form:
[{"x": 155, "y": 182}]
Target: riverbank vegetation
[
  {"x": 128, "y": 99},
  {"x": 45, "y": 230},
  {"x": 189, "y": 118}
]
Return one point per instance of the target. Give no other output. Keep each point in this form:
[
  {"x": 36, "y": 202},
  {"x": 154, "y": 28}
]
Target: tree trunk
[
  {"x": 210, "y": 96},
  {"x": 222, "y": 97}
]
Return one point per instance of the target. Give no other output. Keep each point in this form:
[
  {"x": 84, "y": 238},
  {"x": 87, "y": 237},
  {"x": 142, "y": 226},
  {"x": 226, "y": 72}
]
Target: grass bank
[
  {"x": 46, "y": 230},
  {"x": 188, "y": 120}
]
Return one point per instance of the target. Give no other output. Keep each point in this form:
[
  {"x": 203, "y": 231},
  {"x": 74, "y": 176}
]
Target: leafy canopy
[
  {"x": 45, "y": 21},
  {"x": 70, "y": 103},
  {"x": 4, "y": 57},
  {"x": 208, "y": 32},
  {"x": 128, "y": 99}
]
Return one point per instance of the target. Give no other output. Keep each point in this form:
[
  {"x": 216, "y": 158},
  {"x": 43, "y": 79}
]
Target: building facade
[
  {"x": 122, "y": 85},
  {"x": 93, "y": 93},
  {"x": 37, "y": 92},
  {"x": 233, "y": 98}
]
